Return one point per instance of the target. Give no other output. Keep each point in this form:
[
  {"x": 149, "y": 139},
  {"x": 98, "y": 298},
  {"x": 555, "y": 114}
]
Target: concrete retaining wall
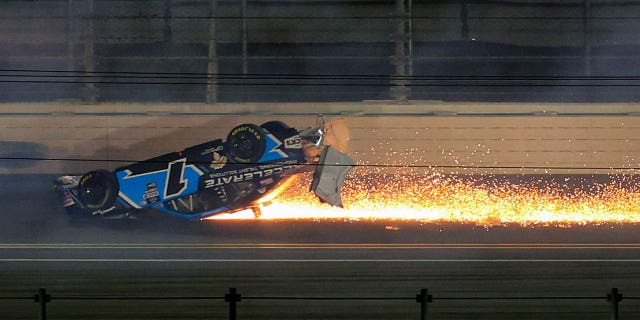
[{"x": 385, "y": 135}]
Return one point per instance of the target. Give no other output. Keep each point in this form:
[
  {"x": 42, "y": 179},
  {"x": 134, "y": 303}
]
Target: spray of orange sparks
[{"x": 482, "y": 200}]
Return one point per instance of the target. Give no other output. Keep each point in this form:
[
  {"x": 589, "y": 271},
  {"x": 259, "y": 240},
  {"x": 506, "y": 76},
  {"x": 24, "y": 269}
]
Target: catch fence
[
  {"x": 350, "y": 50},
  {"x": 423, "y": 299}
]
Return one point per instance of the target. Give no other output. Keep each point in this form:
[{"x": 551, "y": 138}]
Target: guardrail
[{"x": 233, "y": 298}]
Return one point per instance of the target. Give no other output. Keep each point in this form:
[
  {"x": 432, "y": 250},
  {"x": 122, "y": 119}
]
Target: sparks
[{"x": 484, "y": 200}]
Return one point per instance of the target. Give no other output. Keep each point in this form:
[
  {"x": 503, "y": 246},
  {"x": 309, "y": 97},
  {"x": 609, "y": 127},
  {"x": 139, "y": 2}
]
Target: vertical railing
[
  {"x": 586, "y": 25},
  {"x": 402, "y": 59},
  {"x": 212, "y": 61},
  {"x": 89, "y": 60},
  {"x": 42, "y": 298},
  {"x": 614, "y": 299},
  {"x": 167, "y": 33},
  {"x": 245, "y": 36},
  {"x": 232, "y": 298},
  {"x": 464, "y": 20},
  {"x": 69, "y": 35},
  {"x": 423, "y": 298}
]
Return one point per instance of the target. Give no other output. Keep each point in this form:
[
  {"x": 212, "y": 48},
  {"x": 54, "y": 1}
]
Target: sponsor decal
[
  {"x": 103, "y": 211},
  {"x": 67, "y": 199},
  {"x": 251, "y": 169},
  {"x": 219, "y": 161},
  {"x": 151, "y": 194},
  {"x": 247, "y": 174},
  {"x": 212, "y": 150},
  {"x": 294, "y": 142}
]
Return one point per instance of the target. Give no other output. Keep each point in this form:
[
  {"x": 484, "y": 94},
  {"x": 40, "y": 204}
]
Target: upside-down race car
[{"x": 214, "y": 177}]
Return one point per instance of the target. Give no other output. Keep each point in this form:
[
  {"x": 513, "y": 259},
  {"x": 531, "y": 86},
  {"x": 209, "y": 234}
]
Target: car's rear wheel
[
  {"x": 98, "y": 190},
  {"x": 246, "y": 143}
]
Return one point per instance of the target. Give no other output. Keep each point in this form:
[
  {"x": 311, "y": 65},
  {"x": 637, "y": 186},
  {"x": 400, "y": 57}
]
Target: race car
[{"x": 245, "y": 171}]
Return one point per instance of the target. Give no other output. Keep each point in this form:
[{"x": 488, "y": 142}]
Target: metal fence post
[
  {"x": 423, "y": 298},
  {"x": 402, "y": 57},
  {"x": 233, "y": 298},
  {"x": 89, "y": 58},
  {"x": 464, "y": 20},
  {"x": 212, "y": 62},
  {"x": 614, "y": 299},
  {"x": 586, "y": 26},
  {"x": 42, "y": 298}
]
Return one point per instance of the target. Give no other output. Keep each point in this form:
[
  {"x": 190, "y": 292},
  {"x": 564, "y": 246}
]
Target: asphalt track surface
[{"x": 88, "y": 268}]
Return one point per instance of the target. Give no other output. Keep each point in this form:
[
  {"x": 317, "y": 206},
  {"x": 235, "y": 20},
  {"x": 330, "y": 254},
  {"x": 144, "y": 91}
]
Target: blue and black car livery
[{"x": 213, "y": 177}]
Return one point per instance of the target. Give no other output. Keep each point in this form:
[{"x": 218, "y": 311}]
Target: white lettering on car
[{"x": 248, "y": 176}]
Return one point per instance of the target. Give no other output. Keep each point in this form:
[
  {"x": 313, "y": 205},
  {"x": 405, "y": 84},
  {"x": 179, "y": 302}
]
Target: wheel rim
[
  {"x": 95, "y": 195},
  {"x": 246, "y": 143},
  {"x": 96, "y": 190},
  {"x": 244, "y": 148}
]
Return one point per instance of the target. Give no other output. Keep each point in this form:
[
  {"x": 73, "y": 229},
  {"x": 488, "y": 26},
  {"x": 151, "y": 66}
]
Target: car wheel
[
  {"x": 245, "y": 143},
  {"x": 98, "y": 190}
]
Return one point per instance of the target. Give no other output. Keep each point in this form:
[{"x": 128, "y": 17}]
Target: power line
[
  {"x": 309, "y": 17},
  {"x": 399, "y": 166},
  {"x": 33, "y": 76},
  {"x": 324, "y": 84},
  {"x": 49, "y": 73}
]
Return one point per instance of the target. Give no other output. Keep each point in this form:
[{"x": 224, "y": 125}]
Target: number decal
[
  {"x": 176, "y": 179},
  {"x": 176, "y": 183}
]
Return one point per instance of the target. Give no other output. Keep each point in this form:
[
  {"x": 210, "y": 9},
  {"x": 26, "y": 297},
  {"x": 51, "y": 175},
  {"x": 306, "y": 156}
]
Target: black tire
[
  {"x": 245, "y": 143},
  {"x": 98, "y": 190}
]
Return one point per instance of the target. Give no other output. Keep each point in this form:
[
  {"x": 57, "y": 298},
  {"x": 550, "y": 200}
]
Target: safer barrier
[{"x": 233, "y": 298}]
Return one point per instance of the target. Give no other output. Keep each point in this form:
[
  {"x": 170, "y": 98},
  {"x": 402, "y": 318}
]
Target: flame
[{"x": 485, "y": 200}]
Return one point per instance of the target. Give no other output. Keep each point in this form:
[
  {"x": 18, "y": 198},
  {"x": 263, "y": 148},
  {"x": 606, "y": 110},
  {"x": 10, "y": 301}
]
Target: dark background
[{"x": 289, "y": 50}]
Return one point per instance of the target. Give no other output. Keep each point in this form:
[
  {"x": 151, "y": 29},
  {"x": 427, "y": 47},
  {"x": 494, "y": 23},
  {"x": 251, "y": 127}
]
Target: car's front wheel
[{"x": 98, "y": 190}]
